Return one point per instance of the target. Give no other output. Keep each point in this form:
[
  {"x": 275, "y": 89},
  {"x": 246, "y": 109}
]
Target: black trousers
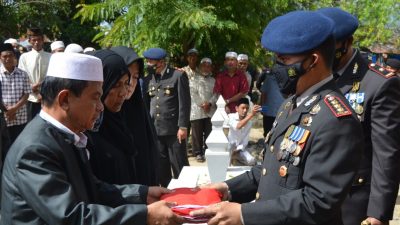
[
  {"x": 14, "y": 131},
  {"x": 33, "y": 109},
  {"x": 172, "y": 154},
  {"x": 267, "y": 123},
  {"x": 200, "y": 130}
]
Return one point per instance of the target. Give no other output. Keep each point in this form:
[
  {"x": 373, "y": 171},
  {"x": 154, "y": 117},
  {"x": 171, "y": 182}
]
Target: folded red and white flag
[{"x": 190, "y": 199}]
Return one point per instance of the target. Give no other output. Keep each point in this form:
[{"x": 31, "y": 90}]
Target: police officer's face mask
[
  {"x": 151, "y": 68},
  {"x": 287, "y": 76},
  {"x": 339, "y": 53}
]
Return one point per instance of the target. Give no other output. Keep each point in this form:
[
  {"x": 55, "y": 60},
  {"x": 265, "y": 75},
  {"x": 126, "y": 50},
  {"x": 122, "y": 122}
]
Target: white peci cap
[
  {"x": 205, "y": 60},
  {"x": 11, "y": 41},
  {"x": 75, "y": 66},
  {"x": 242, "y": 57},
  {"x": 89, "y": 49},
  {"x": 73, "y": 48},
  {"x": 56, "y": 45},
  {"x": 231, "y": 55}
]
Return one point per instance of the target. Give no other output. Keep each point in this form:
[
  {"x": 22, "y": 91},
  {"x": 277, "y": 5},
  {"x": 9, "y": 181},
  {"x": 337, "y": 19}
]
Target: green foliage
[{"x": 53, "y": 16}]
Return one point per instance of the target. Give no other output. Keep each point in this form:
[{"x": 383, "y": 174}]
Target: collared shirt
[
  {"x": 228, "y": 86},
  {"x": 13, "y": 86},
  {"x": 238, "y": 138},
  {"x": 300, "y": 99},
  {"x": 80, "y": 139},
  {"x": 35, "y": 63},
  {"x": 190, "y": 72},
  {"x": 201, "y": 90},
  {"x": 341, "y": 71}
]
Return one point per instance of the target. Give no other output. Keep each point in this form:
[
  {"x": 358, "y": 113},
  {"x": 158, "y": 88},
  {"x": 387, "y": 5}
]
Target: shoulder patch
[
  {"x": 380, "y": 70},
  {"x": 336, "y": 105}
]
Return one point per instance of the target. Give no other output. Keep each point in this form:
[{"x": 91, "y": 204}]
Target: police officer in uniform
[
  {"x": 313, "y": 150},
  {"x": 374, "y": 94},
  {"x": 168, "y": 90}
]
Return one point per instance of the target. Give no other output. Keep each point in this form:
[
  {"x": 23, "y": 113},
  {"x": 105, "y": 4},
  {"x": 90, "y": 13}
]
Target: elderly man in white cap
[
  {"x": 57, "y": 46},
  {"x": 231, "y": 83},
  {"x": 73, "y": 48},
  {"x": 202, "y": 107},
  {"x": 46, "y": 176}
]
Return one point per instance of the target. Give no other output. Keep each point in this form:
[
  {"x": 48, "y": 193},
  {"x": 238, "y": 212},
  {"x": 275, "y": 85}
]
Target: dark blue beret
[
  {"x": 345, "y": 24},
  {"x": 394, "y": 63},
  {"x": 296, "y": 32},
  {"x": 155, "y": 53}
]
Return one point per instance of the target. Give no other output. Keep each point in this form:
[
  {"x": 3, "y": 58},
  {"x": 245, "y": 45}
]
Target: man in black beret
[
  {"x": 312, "y": 152},
  {"x": 374, "y": 94}
]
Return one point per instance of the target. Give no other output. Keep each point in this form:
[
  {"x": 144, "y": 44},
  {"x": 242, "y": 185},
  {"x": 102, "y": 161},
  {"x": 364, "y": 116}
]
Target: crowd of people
[{"x": 95, "y": 136}]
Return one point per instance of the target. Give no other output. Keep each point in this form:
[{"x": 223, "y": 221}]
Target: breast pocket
[
  {"x": 292, "y": 180},
  {"x": 169, "y": 90}
]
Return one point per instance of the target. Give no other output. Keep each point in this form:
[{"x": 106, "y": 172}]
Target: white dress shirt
[
  {"x": 238, "y": 138},
  {"x": 35, "y": 63}
]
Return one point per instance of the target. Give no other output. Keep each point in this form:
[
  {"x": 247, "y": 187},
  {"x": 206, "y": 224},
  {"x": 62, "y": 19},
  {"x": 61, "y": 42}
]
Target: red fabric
[
  {"x": 230, "y": 86},
  {"x": 193, "y": 196}
]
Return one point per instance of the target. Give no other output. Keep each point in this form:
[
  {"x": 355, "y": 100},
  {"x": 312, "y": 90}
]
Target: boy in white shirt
[{"x": 239, "y": 131}]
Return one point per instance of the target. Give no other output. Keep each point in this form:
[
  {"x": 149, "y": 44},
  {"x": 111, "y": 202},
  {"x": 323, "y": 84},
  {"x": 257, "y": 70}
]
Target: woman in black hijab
[
  {"x": 112, "y": 155},
  {"x": 138, "y": 121}
]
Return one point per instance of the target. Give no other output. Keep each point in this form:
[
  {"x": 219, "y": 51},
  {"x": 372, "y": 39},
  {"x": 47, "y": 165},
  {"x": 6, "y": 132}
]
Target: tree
[
  {"x": 213, "y": 27},
  {"x": 55, "y": 17}
]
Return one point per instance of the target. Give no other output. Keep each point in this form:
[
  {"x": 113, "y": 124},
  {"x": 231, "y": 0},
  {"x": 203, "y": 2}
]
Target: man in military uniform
[
  {"x": 169, "y": 95},
  {"x": 374, "y": 94},
  {"x": 312, "y": 152}
]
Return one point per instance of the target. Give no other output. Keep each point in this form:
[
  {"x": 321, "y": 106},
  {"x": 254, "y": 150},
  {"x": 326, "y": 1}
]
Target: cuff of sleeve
[{"x": 183, "y": 128}]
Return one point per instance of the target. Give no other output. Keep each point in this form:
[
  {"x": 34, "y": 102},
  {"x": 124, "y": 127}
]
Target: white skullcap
[
  {"x": 89, "y": 49},
  {"x": 243, "y": 57},
  {"x": 11, "y": 41},
  {"x": 205, "y": 60},
  {"x": 56, "y": 45},
  {"x": 75, "y": 66},
  {"x": 231, "y": 55},
  {"x": 73, "y": 48}
]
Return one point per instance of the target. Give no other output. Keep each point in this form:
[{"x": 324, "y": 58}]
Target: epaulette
[
  {"x": 381, "y": 70},
  {"x": 336, "y": 105}
]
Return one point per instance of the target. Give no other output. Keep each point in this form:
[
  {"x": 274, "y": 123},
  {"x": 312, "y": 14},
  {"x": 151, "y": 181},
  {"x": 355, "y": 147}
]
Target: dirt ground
[{"x": 257, "y": 133}]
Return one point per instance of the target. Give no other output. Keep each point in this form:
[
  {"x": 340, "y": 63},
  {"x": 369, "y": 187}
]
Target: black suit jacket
[
  {"x": 380, "y": 165},
  {"x": 312, "y": 191},
  {"x": 44, "y": 183},
  {"x": 169, "y": 101}
]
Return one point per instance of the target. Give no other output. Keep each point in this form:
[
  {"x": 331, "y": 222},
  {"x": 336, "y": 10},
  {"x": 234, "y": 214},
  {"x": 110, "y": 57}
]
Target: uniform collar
[
  {"x": 300, "y": 99},
  {"x": 341, "y": 71},
  {"x": 80, "y": 140}
]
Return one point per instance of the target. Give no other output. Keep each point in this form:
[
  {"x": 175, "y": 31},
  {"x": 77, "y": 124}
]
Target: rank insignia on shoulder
[
  {"x": 335, "y": 104},
  {"x": 380, "y": 70}
]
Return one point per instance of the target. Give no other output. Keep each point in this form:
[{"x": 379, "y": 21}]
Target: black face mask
[
  {"x": 339, "y": 53},
  {"x": 287, "y": 76},
  {"x": 150, "y": 68}
]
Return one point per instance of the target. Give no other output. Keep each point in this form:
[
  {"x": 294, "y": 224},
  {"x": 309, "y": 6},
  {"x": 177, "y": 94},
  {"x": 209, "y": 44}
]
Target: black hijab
[
  {"x": 113, "y": 158},
  {"x": 140, "y": 125}
]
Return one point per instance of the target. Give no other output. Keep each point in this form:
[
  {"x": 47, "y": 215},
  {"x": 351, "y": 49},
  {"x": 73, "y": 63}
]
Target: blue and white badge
[{"x": 360, "y": 97}]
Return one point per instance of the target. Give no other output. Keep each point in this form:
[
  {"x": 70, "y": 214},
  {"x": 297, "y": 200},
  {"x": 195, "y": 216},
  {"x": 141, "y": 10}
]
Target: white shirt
[
  {"x": 238, "y": 138},
  {"x": 35, "y": 63},
  {"x": 80, "y": 139}
]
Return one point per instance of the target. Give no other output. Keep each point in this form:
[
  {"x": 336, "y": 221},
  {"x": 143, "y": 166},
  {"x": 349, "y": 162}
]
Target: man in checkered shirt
[{"x": 15, "y": 90}]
